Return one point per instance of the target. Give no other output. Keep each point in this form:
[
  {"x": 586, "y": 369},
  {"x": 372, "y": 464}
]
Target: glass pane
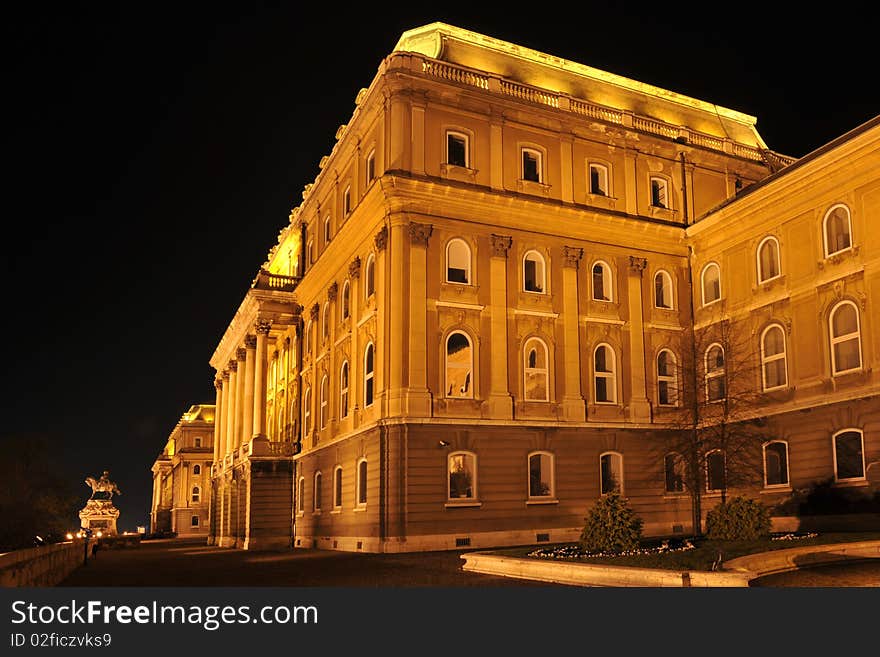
[
  {"x": 663, "y": 363},
  {"x": 457, "y": 151},
  {"x": 716, "y": 388},
  {"x": 539, "y": 475},
  {"x": 611, "y": 475},
  {"x": 774, "y": 373},
  {"x": 536, "y": 385},
  {"x": 663, "y": 392},
  {"x": 715, "y": 471},
  {"x": 337, "y": 500},
  {"x": 845, "y": 321},
  {"x": 362, "y": 483},
  {"x": 602, "y": 389},
  {"x": 599, "y": 283},
  {"x": 846, "y": 355},
  {"x": 461, "y": 476},
  {"x": 848, "y": 450},
  {"x": 601, "y": 361},
  {"x": 774, "y": 342},
  {"x": 674, "y": 471},
  {"x": 838, "y": 231},
  {"x": 530, "y": 167},
  {"x": 775, "y": 464}
]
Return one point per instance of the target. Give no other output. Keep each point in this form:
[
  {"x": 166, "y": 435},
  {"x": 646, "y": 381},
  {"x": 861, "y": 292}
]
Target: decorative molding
[
  {"x": 571, "y": 256},
  {"x": 333, "y": 291},
  {"x": 501, "y": 245},
  {"x": 637, "y": 265},
  {"x": 241, "y": 353},
  {"x": 218, "y": 383},
  {"x": 313, "y": 313},
  {"x": 262, "y": 327},
  {"x": 602, "y": 320},
  {"x": 354, "y": 268},
  {"x": 381, "y": 239},
  {"x": 454, "y": 304},
  {"x": 250, "y": 342},
  {"x": 225, "y": 375},
  {"x": 535, "y": 313},
  {"x": 233, "y": 366},
  {"x": 420, "y": 233}
]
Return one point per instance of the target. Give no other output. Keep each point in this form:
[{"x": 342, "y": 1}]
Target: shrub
[
  {"x": 739, "y": 519},
  {"x": 611, "y": 526}
]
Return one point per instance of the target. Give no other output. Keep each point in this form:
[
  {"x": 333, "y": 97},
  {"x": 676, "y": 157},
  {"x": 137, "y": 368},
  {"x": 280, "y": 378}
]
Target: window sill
[
  {"x": 463, "y": 504},
  {"x": 675, "y": 495},
  {"x": 316, "y": 513},
  {"x": 458, "y": 172},
  {"x": 358, "y": 509},
  {"x": 532, "y": 187},
  {"x": 851, "y": 483},
  {"x": 539, "y": 501},
  {"x": 779, "y": 488},
  {"x": 336, "y": 512}
]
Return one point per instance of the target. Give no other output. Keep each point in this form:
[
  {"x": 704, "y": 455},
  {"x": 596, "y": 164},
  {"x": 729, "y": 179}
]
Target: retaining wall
[{"x": 40, "y": 566}]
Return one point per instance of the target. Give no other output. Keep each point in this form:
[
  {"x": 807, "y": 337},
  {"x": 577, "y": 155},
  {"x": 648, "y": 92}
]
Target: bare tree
[{"x": 711, "y": 389}]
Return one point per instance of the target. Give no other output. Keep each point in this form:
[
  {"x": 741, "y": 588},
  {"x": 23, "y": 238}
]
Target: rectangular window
[
  {"x": 346, "y": 201},
  {"x": 371, "y": 167},
  {"x": 659, "y": 197},
  {"x": 456, "y": 149},
  {"x": 598, "y": 180},
  {"x": 531, "y": 165}
]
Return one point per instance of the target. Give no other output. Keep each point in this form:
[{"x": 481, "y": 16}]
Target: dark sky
[{"x": 154, "y": 156}]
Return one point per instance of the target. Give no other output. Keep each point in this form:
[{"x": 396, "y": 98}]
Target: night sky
[{"x": 154, "y": 156}]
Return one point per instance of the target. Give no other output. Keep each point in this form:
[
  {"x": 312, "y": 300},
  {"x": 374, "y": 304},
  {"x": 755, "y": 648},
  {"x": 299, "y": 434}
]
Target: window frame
[
  {"x": 324, "y": 406},
  {"x": 827, "y": 253},
  {"x": 670, "y": 379},
  {"x": 667, "y": 284},
  {"x": 195, "y": 521},
  {"x": 467, "y": 148},
  {"x": 328, "y": 230},
  {"x": 446, "y": 365},
  {"x": 345, "y": 304},
  {"x": 317, "y": 485},
  {"x": 706, "y": 268},
  {"x": 474, "y": 494},
  {"x": 370, "y": 166},
  {"x": 769, "y": 239},
  {"x": 606, "y": 273},
  {"x": 543, "y": 263},
  {"x": 337, "y": 488},
  {"x": 834, "y": 340},
  {"x": 539, "y": 162},
  {"x": 678, "y": 463},
  {"x": 369, "y": 375},
  {"x": 787, "y": 483},
  {"x": 301, "y": 495},
  {"x": 620, "y": 486},
  {"x": 665, "y": 187},
  {"x": 361, "y": 483},
  {"x": 765, "y": 359},
  {"x": 837, "y": 434},
  {"x": 307, "y": 410},
  {"x": 370, "y": 277},
  {"x": 468, "y": 275},
  {"x": 536, "y": 370},
  {"x": 197, "y": 470},
  {"x": 551, "y": 494},
  {"x": 195, "y": 495},
  {"x": 607, "y": 375},
  {"x": 605, "y": 177},
  {"x": 344, "y": 384},
  {"x": 347, "y": 205},
  {"x": 723, "y": 472},
  {"x": 715, "y": 373}
]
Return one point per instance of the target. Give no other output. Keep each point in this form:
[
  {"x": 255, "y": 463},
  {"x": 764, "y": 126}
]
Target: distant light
[
  {"x": 79, "y": 534},
  {"x": 100, "y": 534},
  {"x": 69, "y": 536}
]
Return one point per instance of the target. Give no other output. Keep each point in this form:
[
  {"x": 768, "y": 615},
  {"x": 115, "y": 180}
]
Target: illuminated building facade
[
  {"x": 469, "y": 328},
  {"x": 181, "y": 476}
]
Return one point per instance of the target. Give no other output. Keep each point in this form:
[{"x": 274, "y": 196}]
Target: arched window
[
  {"x": 194, "y": 521},
  {"x": 602, "y": 281},
  {"x": 849, "y": 455},
  {"x": 535, "y": 368},
  {"x": 362, "y": 483},
  {"x": 197, "y": 470},
  {"x": 659, "y": 192},
  {"x": 604, "y": 375},
  {"x": 775, "y": 463},
  {"x": 716, "y": 387},
  {"x": 316, "y": 496},
  {"x": 196, "y": 494},
  {"x": 611, "y": 472},
  {"x": 774, "y": 368},
  {"x": 307, "y": 411},
  {"x": 368, "y": 375},
  {"x": 346, "y": 201},
  {"x": 534, "y": 273},
  {"x": 768, "y": 260},
  {"x": 662, "y": 290},
  {"x": 711, "y": 283},
  {"x": 459, "y": 365},
  {"x": 343, "y": 390},
  {"x": 307, "y": 339},
  {"x": 371, "y": 166},
  {"x": 846, "y": 338},
  {"x": 301, "y": 495},
  {"x": 370, "y": 277},
  {"x": 667, "y": 379},
  {"x": 346, "y": 300},
  {"x": 674, "y": 472},
  {"x": 541, "y": 475},
  {"x": 337, "y": 487},
  {"x": 325, "y": 322},
  {"x": 458, "y": 262},
  {"x": 532, "y": 168},
  {"x": 715, "y": 471},
  {"x": 325, "y": 402},
  {"x": 328, "y": 232},
  {"x": 837, "y": 229},
  {"x": 462, "y": 476}
]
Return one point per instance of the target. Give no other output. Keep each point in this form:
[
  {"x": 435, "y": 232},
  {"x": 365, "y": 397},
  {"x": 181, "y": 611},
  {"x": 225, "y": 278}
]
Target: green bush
[
  {"x": 611, "y": 526},
  {"x": 739, "y": 519}
]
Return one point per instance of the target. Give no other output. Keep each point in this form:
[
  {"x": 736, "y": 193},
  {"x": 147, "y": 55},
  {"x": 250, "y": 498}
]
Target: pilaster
[
  {"x": 418, "y": 399},
  {"x": 500, "y": 400},
  {"x": 573, "y": 407},
  {"x": 639, "y": 406}
]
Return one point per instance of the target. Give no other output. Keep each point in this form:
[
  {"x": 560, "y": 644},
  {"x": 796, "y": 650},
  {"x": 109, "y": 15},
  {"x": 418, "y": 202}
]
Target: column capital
[
  {"x": 354, "y": 268},
  {"x": 637, "y": 265},
  {"x": 250, "y": 342},
  {"x": 571, "y": 256},
  {"x": 501, "y": 245},
  {"x": 262, "y": 327},
  {"x": 241, "y": 353},
  {"x": 233, "y": 366},
  {"x": 225, "y": 375},
  {"x": 313, "y": 313},
  {"x": 218, "y": 383},
  {"x": 419, "y": 234},
  {"x": 333, "y": 291},
  {"x": 381, "y": 238}
]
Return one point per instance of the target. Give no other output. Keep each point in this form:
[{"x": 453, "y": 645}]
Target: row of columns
[{"x": 241, "y": 395}]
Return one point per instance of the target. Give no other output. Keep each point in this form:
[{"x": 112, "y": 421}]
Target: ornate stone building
[
  {"x": 474, "y": 323},
  {"x": 181, "y": 476}
]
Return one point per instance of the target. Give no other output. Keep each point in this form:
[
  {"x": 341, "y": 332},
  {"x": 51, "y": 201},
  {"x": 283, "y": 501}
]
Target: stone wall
[{"x": 41, "y": 566}]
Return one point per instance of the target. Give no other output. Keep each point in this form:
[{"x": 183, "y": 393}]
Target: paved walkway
[{"x": 192, "y": 563}]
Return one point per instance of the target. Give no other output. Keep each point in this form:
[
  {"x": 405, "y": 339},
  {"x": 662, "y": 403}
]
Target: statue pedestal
[{"x": 99, "y": 516}]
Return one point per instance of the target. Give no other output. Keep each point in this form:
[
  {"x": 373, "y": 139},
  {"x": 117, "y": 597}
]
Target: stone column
[
  {"x": 573, "y": 408},
  {"x": 399, "y": 129},
  {"x": 418, "y": 399},
  {"x": 397, "y": 319},
  {"x": 354, "y": 363},
  {"x": 226, "y": 399},
  {"x": 260, "y": 371},
  {"x": 418, "y": 136},
  {"x": 639, "y": 406},
  {"x": 232, "y": 406},
  {"x": 247, "y": 421},
  {"x": 239, "y": 398},
  {"x": 500, "y": 400},
  {"x": 631, "y": 182},
  {"x": 218, "y": 414},
  {"x": 380, "y": 363}
]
